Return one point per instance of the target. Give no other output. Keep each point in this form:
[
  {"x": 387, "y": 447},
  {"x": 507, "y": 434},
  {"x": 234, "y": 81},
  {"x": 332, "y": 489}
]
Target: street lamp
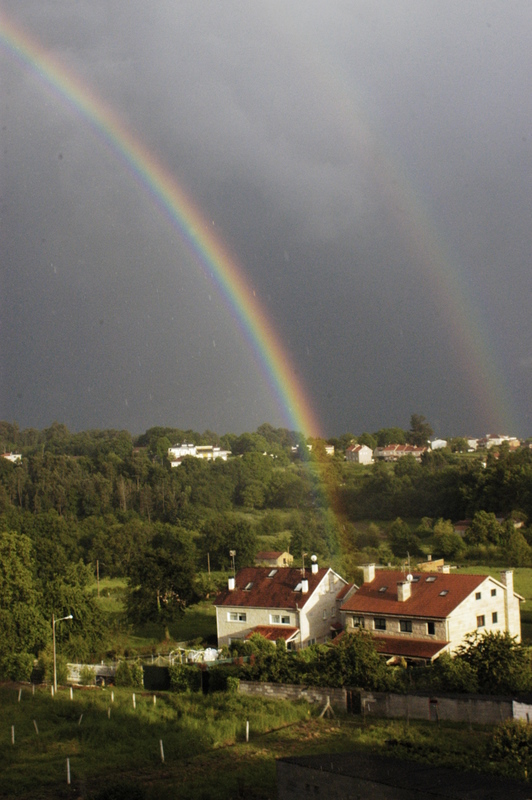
[{"x": 54, "y": 620}]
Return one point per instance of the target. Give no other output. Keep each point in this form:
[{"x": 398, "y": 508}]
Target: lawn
[
  {"x": 109, "y": 740},
  {"x": 198, "y": 623}
]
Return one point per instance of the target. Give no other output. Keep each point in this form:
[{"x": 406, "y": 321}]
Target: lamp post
[{"x": 54, "y": 620}]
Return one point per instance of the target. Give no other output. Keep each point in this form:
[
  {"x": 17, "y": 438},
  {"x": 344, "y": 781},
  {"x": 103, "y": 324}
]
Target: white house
[
  {"x": 301, "y": 606},
  {"x": 206, "y": 452},
  {"x": 359, "y": 454},
  {"x": 421, "y": 615},
  {"x": 13, "y": 457}
]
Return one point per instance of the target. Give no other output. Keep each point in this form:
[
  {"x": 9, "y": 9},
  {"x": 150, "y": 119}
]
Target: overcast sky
[{"x": 369, "y": 165}]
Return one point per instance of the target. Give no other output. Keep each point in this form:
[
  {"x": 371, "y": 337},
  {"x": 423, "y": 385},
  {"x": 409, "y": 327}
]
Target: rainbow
[
  {"x": 208, "y": 249},
  {"x": 466, "y": 327}
]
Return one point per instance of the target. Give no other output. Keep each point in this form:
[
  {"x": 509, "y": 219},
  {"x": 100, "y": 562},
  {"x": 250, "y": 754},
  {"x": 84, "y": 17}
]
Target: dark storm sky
[{"x": 368, "y": 164}]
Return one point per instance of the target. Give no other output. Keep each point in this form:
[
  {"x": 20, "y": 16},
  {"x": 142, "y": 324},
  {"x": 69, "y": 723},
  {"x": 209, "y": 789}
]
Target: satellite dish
[
  {"x": 314, "y": 558},
  {"x": 410, "y": 577}
]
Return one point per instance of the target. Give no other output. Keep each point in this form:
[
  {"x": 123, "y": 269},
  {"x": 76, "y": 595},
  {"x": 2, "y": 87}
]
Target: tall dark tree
[{"x": 420, "y": 430}]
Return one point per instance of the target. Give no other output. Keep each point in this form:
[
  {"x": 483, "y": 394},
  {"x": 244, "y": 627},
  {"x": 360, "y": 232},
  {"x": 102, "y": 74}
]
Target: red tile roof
[
  {"x": 408, "y": 648},
  {"x": 274, "y": 632},
  {"x": 344, "y": 590},
  {"x": 425, "y": 599},
  {"x": 276, "y": 591}
]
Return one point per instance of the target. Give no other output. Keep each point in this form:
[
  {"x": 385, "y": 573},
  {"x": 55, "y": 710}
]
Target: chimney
[
  {"x": 314, "y": 568},
  {"x": 446, "y": 569},
  {"x": 369, "y": 572},
  {"x": 507, "y": 578},
  {"x": 304, "y": 586},
  {"x": 429, "y": 557},
  {"x": 404, "y": 590},
  {"x": 231, "y": 584}
]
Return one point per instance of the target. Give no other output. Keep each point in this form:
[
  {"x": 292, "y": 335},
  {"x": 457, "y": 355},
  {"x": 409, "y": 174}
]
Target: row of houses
[{"x": 415, "y": 616}]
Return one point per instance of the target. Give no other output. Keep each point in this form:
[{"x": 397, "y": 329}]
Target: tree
[
  {"x": 402, "y": 541},
  {"x": 420, "y": 431},
  {"x": 501, "y": 664},
  {"x": 447, "y": 542},
  {"x": 23, "y": 627},
  {"x": 161, "y": 577},
  {"x": 484, "y": 529},
  {"x": 224, "y": 533}
]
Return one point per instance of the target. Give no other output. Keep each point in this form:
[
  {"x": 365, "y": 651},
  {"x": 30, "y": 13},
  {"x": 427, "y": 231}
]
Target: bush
[
  {"x": 87, "y": 676},
  {"x": 129, "y": 675},
  {"x": 121, "y": 791},
  {"x": 16, "y": 667},
  {"x": 184, "y": 678},
  {"x": 511, "y": 744}
]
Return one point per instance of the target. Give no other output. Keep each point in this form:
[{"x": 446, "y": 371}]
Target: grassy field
[
  {"x": 197, "y": 624},
  {"x": 112, "y": 742}
]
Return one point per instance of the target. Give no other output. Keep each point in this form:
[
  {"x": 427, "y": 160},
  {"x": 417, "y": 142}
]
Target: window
[
  {"x": 333, "y": 611},
  {"x": 494, "y": 592},
  {"x": 272, "y": 573},
  {"x": 279, "y": 619},
  {"x": 494, "y": 617},
  {"x": 478, "y": 595},
  {"x": 383, "y": 588},
  {"x": 431, "y": 579},
  {"x": 357, "y": 622},
  {"x": 298, "y": 587},
  {"x": 405, "y": 625},
  {"x": 248, "y": 586},
  {"x": 444, "y": 592},
  {"x": 431, "y": 628},
  {"x": 324, "y": 613},
  {"x": 236, "y": 616},
  {"x": 481, "y": 621},
  {"x": 379, "y": 623},
  {"x": 415, "y": 579}
]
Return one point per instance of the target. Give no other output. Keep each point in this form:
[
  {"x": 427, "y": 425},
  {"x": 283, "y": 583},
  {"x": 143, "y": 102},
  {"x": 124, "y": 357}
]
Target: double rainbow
[{"x": 207, "y": 248}]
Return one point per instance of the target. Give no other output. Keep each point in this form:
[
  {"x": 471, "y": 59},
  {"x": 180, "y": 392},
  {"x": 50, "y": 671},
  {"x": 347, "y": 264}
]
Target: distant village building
[
  {"x": 13, "y": 457},
  {"x": 359, "y": 454},
  {"x": 492, "y": 440},
  {"x": 274, "y": 558},
  {"x": 206, "y": 452},
  {"x": 393, "y": 452},
  {"x": 438, "y": 444}
]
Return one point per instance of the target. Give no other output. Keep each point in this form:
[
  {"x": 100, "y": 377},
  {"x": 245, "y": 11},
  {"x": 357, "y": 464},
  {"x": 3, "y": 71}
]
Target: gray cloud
[{"x": 368, "y": 164}]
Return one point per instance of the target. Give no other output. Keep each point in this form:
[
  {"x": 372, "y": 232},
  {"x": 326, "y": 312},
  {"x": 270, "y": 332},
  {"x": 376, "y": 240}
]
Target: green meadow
[{"x": 115, "y": 744}]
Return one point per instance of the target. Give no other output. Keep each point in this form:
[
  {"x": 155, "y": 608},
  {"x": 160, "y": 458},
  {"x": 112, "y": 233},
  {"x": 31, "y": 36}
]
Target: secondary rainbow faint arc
[{"x": 182, "y": 212}]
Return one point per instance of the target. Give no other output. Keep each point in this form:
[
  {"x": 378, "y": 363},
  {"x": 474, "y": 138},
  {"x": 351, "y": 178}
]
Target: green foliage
[
  {"x": 420, "y": 431},
  {"x": 184, "y": 678},
  {"x": 511, "y": 748},
  {"x": 501, "y": 664},
  {"x": 87, "y": 676},
  {"x": 128, "y": 674},
  {"x": 403, "y": 541}
]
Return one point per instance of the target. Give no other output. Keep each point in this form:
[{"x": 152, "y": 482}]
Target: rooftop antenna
[
  {"x": 232, "y": 553},
  {"x": 303, "y": 560}
]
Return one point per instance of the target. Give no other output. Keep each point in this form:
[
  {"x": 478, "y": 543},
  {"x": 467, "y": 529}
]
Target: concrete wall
[
  {"x": 285, "y": 691},
  {"x": 454, "y": 708},
  {"x": 471, "y": 709}
]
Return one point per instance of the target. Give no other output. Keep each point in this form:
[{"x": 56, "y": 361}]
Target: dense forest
[{"x": 110, "y": 501}]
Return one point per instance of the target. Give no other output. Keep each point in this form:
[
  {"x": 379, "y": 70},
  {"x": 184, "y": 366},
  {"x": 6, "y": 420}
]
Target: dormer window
[{"x": 272, "y": 573}]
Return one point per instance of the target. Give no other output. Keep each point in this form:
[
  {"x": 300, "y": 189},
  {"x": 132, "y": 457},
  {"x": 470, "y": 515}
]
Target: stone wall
[{"x": 286, "y": 691}]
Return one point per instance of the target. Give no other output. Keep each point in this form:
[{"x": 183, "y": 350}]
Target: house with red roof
[
  {"x": 419, "y": 615},
  {"x": 301, "y": 606},
  {"x": 393, "y": 452}
]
